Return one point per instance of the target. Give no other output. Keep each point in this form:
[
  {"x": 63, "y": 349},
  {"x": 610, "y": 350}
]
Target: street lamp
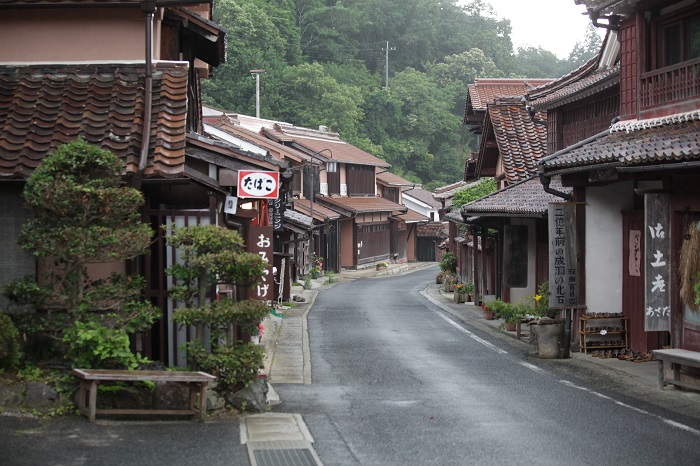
[{"x": 331, "y": 167}]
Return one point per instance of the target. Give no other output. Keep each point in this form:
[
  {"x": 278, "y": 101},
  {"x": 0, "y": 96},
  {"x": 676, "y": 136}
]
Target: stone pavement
[{"x": 288, "y": 358}]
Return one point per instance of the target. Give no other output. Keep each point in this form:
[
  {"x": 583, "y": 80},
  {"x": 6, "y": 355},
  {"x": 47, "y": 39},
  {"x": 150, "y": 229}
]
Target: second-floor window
[
  {"x": 391, "y": 194},
  {"x": 361, "y": 180},
  {"x": 679, "y": 40}
]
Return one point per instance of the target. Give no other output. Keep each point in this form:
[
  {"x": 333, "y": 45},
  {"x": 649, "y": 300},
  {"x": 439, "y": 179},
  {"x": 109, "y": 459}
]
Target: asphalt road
[{"x": 396, "y": 381}]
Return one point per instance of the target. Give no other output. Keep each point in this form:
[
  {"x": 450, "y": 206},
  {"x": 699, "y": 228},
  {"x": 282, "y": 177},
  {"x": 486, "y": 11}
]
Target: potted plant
[
  {"x": 460, "y": 290},
  {"x": 381, "y": 265},
  {"x": 448, "y": 281},
  {"x": 496, "y": 307},
  {"x": 488, "y": 312},
  {"x": 469, "y": 289},
  {"x": 439, "y": 278}
]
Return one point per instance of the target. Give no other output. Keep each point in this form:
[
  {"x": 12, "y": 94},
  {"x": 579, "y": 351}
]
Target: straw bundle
[{"x": 689, "y": 266}]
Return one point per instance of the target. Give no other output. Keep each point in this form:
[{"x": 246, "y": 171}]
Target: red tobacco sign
[{"x": 258, "y": 185}]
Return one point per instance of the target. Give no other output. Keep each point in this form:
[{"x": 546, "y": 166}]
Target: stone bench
[
  {"x": 677, "y": 358},
  {"x": 196, "y": 383}
]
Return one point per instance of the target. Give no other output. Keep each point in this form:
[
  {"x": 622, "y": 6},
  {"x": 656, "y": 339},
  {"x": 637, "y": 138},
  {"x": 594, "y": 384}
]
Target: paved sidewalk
[{"x": 288, "y": 359}]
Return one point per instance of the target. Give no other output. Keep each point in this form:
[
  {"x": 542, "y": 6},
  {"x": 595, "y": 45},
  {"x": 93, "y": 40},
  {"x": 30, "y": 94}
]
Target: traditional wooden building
[
  {"x": 635, "y": 181},
  {"x": 125, "y": 76}
]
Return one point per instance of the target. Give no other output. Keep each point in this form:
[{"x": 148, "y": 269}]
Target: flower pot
[
  {"x": 510, "y": 326},
  {"x": 460, "y": 298},
  {"x": 438, "y": 280},
  {"x": 448, "y": 287},
  {"x": 488, "y": 315},
  {"x": 314, "y": 274}
]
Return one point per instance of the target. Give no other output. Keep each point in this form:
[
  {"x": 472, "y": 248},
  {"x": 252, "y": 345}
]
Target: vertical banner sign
[
  {"x": 261, "y": 243},
  {"x": 563, "y": 276},
  {"x": 276, "y": 213},
  {"x": 657, "y": 257}
]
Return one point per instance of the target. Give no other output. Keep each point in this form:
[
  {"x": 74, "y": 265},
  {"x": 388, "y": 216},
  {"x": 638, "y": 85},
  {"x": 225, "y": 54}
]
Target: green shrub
[
  {"x": 92, "y": 345},
  {"x": 9, "y": 344},
  {"x": 234, "y": 366}
]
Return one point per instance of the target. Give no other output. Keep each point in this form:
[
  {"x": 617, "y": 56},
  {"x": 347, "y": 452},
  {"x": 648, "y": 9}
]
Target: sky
[{"x": 554, "y": 25}]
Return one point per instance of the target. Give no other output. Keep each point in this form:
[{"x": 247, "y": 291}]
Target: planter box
[{"x": 460, "y": 298}]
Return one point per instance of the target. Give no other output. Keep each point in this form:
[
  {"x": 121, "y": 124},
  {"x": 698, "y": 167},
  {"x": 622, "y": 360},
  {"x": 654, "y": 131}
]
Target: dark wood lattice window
[{"x": 361, "y": 180}]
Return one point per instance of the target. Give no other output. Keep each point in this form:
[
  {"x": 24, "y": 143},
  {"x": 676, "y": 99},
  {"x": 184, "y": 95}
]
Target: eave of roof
[
  {"x": 359, "y": 205},
  {"x": 8, "y": 4},
  {"x": 320, "y": 212},
  {"x": 524, "y": 199},
  {"x": 658, "y": 143}
]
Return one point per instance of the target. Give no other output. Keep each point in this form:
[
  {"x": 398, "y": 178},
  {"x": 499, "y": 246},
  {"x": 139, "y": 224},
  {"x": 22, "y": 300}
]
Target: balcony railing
[{"x": 675, "y": 83}]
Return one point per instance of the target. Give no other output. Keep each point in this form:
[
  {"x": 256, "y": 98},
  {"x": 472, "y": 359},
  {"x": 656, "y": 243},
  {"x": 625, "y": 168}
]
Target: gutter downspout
[
  {"x": 149, "y": 7},
  {"x": 546, "y": 180}
]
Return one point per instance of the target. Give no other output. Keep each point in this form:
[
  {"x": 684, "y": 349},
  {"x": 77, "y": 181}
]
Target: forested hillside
[{"x": 326, "y": 64}]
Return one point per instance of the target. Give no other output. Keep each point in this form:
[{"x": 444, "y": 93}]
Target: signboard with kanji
[
  {"x": 258, "y": 185},
  {"x": 563, "y": 276},
  {"x": 657, "y": 257}
]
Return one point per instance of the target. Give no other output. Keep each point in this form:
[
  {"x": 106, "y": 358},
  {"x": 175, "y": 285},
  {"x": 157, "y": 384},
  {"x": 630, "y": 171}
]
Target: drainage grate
[
  {"x": 286, "y": 457},
  {"x": 283, "y": 453}
]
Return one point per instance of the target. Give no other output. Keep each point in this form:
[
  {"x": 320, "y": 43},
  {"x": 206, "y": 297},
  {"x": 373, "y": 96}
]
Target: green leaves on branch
[
  {"x": 234, "y": 366},
  {"x": 219, "y": 314}
]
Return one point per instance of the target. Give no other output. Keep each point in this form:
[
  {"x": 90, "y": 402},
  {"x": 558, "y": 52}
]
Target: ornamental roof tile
[
  {"x": 526, "y": 199},
  {"x": 44, "y": 106}
]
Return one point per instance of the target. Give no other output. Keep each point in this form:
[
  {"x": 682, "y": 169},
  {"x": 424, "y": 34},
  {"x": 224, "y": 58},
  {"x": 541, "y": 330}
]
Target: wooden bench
[
  {"x": 676, "y": 357},
  {"x": 196, "y": 383}
]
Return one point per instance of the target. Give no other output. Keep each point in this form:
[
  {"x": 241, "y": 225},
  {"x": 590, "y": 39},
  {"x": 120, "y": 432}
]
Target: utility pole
[
  {"x": 257, "y": 74},
  {"x": 386, "y": 63}
]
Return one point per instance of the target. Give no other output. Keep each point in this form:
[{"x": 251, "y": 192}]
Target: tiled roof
[
  {"x": 297, "y": 217},
  {"x": 608, "y": 6},
  {"x": 357, "y": 205},
  {"x": 410, "y": 216},
  {"x": 390, "y": 179},
  {"x": 484, "y": 91},
  {"x": 526, "y": 198},
  {"x": 44, "y": 106},
  {"x": 93, "y": 3},
  {"x": 320, "y": 212},
  {"x": 574, "y": 90},
  {"x": 422, "y": 195},
  {"x": 668, "y": 140},
  {"x": 326, "y": 143},
  {"x": 449, "y": 190},
  {"x": 432, "y": 230},
  {"x": 278, "y": 150},
  {"x": 521, "y": 142}
]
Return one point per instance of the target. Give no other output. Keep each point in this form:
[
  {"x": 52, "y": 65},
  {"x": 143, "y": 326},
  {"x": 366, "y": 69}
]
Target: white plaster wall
[
  {"x": 518, "y": 294},
  {"x": 604, "y": 245}
]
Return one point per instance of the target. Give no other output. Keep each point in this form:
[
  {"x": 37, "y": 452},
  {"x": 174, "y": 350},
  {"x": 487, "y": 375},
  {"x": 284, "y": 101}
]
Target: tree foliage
[
  {"x": 84, "y": 214},
  {"x": 210, "y": 255},
  {"x": 326, "y": 63},
  {"x": 473, "y": 192}
]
